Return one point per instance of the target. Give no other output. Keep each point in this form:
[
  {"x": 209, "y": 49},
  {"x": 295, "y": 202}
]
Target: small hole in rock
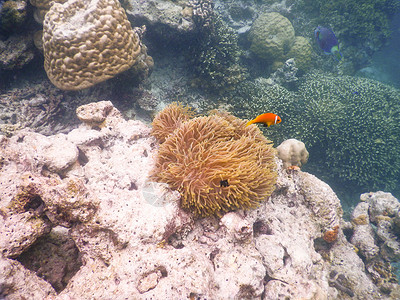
[
  {"x": 53, "y": 257},
  {"x": 260, "y": 227},
  {"x": 348, "y": 233},
  {"x": 82, "y": 158},
  {"x": 34, "y": 203},
  {"x": 133, "y": 186}
]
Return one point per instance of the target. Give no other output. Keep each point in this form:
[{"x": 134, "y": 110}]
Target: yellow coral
[{"x": 217, "y": 164}]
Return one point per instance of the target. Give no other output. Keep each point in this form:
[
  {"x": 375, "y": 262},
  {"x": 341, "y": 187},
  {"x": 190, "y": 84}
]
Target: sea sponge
[
  {"x": 293, "y": 153},
  {"x": 87, "y": 42},
  {"x": 169, "y": 119},
  {"x": 217, "y": 164},
  {"x": 271, "y": 36},
  {"x": 331, "y": 235}
]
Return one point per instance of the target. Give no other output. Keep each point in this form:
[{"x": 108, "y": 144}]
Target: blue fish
[{"x": 328, "y": 42}]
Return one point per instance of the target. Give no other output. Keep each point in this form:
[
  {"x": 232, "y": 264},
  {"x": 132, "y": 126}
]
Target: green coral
[
  {"x": 301, "y": 51},
  {"x": 351, "y": 126},
  {"x": 357, "y": 125},
  {"x": 216, "y": 57}
]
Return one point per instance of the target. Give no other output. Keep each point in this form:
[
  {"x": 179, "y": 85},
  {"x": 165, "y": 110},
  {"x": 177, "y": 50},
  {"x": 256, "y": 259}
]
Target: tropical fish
[
  {"x": 267, "y": 119},
  {"x": 328, "y": 42}
]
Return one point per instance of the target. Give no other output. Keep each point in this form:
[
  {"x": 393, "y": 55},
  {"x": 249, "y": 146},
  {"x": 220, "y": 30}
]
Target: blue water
[{"x": 385, "y": 65}]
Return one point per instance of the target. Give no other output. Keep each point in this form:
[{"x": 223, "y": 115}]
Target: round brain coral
[
  {"x": 217, "y": 164},
  {"x": 86, "y": 42},
  {"x": 271, "y": 36}
]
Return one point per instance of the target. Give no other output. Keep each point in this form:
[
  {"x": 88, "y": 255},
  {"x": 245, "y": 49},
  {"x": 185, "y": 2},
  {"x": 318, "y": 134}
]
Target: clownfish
[{"x": 267, "y": 119}]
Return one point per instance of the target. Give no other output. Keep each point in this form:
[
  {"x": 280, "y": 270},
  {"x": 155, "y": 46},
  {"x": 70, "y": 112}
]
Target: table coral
[{"x": 217, "y": 164}]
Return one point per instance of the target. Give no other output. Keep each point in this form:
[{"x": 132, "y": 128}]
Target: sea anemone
[
  {"x": 217, "y": 164},
  {"x": 170, "y": 118}
]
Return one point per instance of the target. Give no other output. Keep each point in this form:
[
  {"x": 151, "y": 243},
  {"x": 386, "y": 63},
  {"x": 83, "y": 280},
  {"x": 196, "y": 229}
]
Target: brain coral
[
  {"x": 292, "y": 153},
  {"x": 301, "y": 51},
  {"x": 86, "y": 42},
  {"x": 217, "y": 164},
  {"x": 271, "y": 36}
]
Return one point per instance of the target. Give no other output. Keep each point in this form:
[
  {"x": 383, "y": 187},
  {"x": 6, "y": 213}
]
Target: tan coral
[
  {"x": 87, "y": 42},
  {"x": 42, "y": 7},
  {"x": 301, "y": 51},
  {"x": 292, "y": 153},
  {"x": 45, "y": 4},
  {"x": 271, "y": 36}
]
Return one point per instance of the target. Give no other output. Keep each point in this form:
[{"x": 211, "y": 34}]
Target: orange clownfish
[{"x": 267, "y": 119}]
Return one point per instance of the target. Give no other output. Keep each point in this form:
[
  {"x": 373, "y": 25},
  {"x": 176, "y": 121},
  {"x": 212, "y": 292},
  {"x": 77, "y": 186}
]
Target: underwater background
[{"x": 329, "y": 69}]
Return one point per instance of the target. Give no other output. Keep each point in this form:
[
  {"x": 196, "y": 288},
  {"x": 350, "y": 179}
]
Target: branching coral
[
  {"x": 216, "y": 56},
  {"x": 356, "y": 128},
  {"x": 169, "y": 119},
  {"x": 217, "y": 164},
  {"x": 351, "y": 126}
]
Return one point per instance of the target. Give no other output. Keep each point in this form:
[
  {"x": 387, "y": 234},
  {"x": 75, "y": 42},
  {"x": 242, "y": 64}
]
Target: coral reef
[
  {"x": 350, "y": 125},
  {"x": 292, "y": 153},
  {"x": 16, "y": 52},
  {"x": 362, "y": 29},
  {"x": 301, "y": 51},
  {"x": 203, "y": 12},
  {"x": 374, "y": 234},
  {"x": 77, "y": 56},
  {"x": 271, "y": 36},
  {"x": 42, "y": 7},
  {"x": 13, "y": 16},
  {"x": 217, "y": 164},
  {"x": 216, "y": 57},
  {"x": 42, "y": 107},
  {"x": 354, "y": 128},
  {"x": 136, "y": 246},
  {"x": 166, "y": 18},
  {"x": 285, "y": 75}
]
